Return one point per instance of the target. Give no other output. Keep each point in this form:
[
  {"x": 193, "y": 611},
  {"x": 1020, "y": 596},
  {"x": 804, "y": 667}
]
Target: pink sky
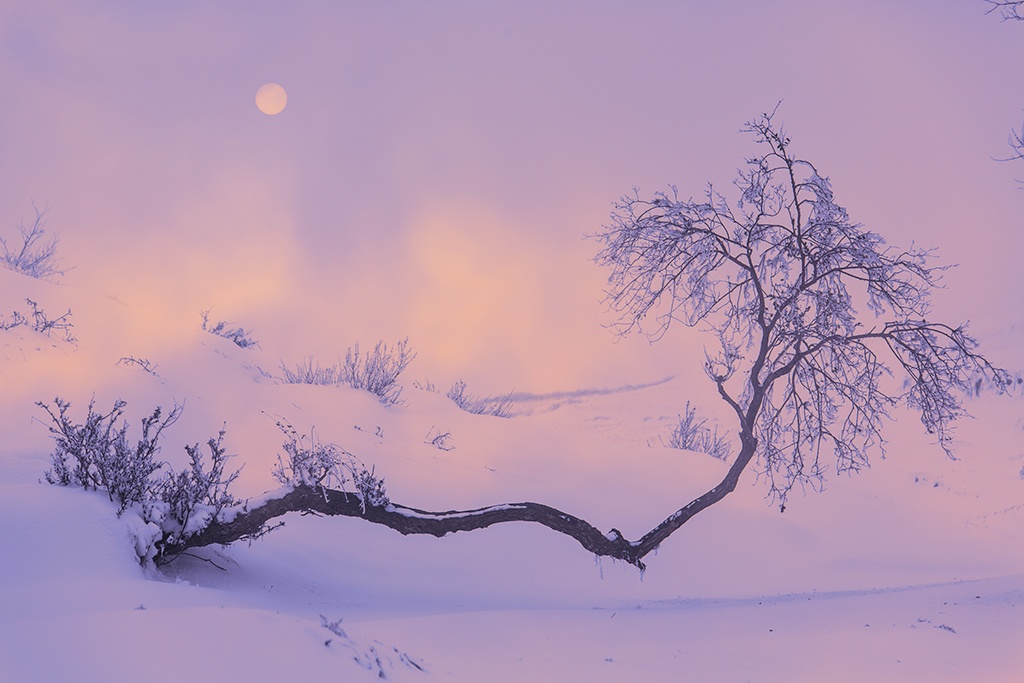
[{"x": 437, "y": 164}]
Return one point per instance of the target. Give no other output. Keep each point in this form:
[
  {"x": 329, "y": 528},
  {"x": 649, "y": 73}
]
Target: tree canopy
[{"x": 809, "y": 312}]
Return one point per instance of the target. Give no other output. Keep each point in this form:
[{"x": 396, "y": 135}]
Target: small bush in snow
[
  {"x": 427, "y": 386},
  {"x": 309, "y": 371},
  {"x": 692, "y": 434},
  {"x": 33, "y": 255},
  {"x": 196, "y": 496},
  {"x": 376, "y": 372},
  {"x": 308, "y": 461},
  {"x": 439, "y": 440},
  {"x": 240, "y": 336},
  {"x": 498, "y": 406},
  {"x": 38, "y": 321},
  {"x": 369, "y": 487},
  {"x": 143, "y": 363},
  {"x": 98, "y": 455}
]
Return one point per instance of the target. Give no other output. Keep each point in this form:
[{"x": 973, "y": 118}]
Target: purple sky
[{"x": 438, "y": 163}]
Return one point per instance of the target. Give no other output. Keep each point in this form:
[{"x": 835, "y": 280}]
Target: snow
[
  {"x": 431, "y": 178},
  {"x": 909, "y": 571},
  {"x": 420, "y": 514}
]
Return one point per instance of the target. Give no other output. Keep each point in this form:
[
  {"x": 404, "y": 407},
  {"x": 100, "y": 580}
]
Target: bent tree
[
  {"x": 814, "y": 322},
  {"x": 808, "y": 310}
]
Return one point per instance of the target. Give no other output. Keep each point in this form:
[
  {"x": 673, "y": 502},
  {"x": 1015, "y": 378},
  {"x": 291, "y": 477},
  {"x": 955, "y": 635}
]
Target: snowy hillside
[{"x": 912, "y": 571}]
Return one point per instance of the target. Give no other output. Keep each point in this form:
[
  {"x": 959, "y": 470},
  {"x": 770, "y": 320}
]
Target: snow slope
[{"x": 912, "y": 571}]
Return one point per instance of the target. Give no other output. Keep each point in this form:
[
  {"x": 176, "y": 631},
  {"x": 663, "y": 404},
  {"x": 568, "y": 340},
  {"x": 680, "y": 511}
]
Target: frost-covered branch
[
  {"x": 33, "y": 255},
  {"x": 779, "y": 277}
]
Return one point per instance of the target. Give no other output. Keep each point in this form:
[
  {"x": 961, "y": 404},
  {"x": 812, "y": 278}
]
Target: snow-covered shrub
[
  {"x": 143, "y": 363},
  {"x": 439, "y": 440},
  {"x": 498, "y": 406},
  {"x": 194, "y": 497},
  {"x": 369, "y": 487},
  {"x": 240, "y": 336},
  {"x": 38, "y": 321},
  {"x": 309, "y": 371},
  {"x": 32, "y": 255},
  {"x": 692, "y": 434},
  {"x": 308, "y": 461},
  {"x": 98, "y": 455},
  {"x": 376, "y": 372}
]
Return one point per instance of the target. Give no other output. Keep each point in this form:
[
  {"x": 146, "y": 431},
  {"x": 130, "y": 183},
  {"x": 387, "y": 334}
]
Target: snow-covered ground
[{"x": 911, "y": 571}]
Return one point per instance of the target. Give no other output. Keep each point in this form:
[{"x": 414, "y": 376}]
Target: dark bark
[
  {"x": 653, "y": 538},
  {"x": 407, "y": 520}
]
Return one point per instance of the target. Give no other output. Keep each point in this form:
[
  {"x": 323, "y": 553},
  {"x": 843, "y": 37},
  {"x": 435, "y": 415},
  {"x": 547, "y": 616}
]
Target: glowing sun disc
[{"x": 271, "y": 99}]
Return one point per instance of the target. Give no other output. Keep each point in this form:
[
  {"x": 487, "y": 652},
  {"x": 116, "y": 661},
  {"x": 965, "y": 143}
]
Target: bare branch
[
  {"x": 1016, "y": 143},
  {"x": 777, "y": 277},
  {"x": 1009, "y": 10},
  {"x": 34, "y": 256},
  {"x": 407, "y": 520}
]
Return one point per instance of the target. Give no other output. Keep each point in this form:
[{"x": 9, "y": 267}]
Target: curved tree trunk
[{"x": 407, "y": 520}]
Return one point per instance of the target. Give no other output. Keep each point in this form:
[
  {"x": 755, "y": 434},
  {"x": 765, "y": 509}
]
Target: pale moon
[{"x": 271, "y": 99}]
